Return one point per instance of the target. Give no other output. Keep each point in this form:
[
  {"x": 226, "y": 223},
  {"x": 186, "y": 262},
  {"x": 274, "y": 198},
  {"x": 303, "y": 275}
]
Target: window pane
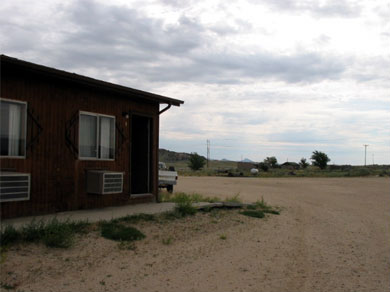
[
  {"x": 107, "y": 137},
  {"x": 4, "y": 128},
  {"x": 13, "y": 129},
  {"x": 88, "y": 134}
]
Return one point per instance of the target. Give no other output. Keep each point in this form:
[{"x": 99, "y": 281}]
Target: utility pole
[
  {"x": 365, "y": 153},
  {"x": 208, "y": 152}
]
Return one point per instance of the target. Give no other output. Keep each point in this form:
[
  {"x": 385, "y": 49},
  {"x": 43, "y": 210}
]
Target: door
[{"x": 141, "y": 154}]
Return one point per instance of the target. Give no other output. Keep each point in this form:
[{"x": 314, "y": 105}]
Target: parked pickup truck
[{"x": 167, "y": 178}]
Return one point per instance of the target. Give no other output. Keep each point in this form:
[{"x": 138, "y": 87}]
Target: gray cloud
[
  {"x": 123, "y": 42},
  {"x": 332, "y": 8}
]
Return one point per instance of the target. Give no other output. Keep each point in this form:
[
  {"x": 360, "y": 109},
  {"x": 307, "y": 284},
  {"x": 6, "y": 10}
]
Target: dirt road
[{"x": 332, "y": 235}]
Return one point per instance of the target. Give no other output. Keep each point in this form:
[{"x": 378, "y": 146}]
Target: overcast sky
[{"x": 259, "y": 78}]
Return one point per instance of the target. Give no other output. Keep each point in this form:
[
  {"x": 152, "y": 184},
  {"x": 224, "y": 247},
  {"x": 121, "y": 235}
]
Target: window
[
  {"x": 96, "y": 136},
  {"x": 13, "y": 128}
]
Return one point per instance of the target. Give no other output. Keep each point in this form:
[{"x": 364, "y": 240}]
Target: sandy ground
[{"x": 332, "y": 235}]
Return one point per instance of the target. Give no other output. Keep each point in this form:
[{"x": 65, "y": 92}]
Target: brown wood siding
[{"x": 58, "y": 178}]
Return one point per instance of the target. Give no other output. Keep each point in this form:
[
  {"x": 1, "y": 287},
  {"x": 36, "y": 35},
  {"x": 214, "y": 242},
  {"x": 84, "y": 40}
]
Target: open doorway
[{"x": 141, "y": 155}]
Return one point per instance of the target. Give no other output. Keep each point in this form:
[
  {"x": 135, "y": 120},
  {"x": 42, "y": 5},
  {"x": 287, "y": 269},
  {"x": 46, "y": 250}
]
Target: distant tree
[
  {"x": 271, "y": 161},
  {"x": 303, "y": 163},
  {"x": 320, "y": 159},
  {"x": 263, "y": 166},
  {"x": 196, "y": 161}
]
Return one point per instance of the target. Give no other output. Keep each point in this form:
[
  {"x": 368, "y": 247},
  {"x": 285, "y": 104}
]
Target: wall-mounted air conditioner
[
  {"x": 14, "y": 186},
  {"x": 104, "y": 182}
]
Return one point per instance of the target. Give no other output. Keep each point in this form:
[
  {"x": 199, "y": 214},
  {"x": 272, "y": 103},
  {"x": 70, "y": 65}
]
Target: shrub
[
  {"x": 116, "y": 231},
  {"x": 196, "y": 161},
  {"x": 303, "y": 163}
]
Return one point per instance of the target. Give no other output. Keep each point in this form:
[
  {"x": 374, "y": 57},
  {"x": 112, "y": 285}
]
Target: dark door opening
[{"x": 141, "y": 152}]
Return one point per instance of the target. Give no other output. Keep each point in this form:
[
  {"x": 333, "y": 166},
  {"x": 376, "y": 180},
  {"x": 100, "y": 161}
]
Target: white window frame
[
  {"x": 98, "y": 152},
  {"x": 25, "y": 127}
]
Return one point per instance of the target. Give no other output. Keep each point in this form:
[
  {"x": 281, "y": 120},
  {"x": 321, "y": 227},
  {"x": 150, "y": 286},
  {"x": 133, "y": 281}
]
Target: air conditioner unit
[
  {"x": 14, "y": 186},
  {"x": 104, "y": 182}
]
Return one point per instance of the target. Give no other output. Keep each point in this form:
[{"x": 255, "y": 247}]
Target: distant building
[
  {"x": 290, "y": 165},
  {"x": 246, "y": 166}
]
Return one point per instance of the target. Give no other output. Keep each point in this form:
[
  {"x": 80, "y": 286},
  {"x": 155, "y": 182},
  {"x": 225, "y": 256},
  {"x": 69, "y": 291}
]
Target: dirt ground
[{"x": 333, "y": 234}]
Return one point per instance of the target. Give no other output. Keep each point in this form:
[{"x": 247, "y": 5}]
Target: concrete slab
[{"x": 95, "y": 215}]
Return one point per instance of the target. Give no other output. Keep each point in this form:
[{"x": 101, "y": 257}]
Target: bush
[
  {"x": 303, "y": 163},
  {"x": 196, "y": 161},
  {"x": 116, "y": 231}
]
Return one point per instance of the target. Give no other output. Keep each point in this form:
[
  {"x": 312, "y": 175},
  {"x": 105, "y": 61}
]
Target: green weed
[
  {"x": 7, "y": 286},
  {"x": 127, "y": 245},
  {"x": 253, "y": 213},
  {"x": 115, "y": 231},
  {"x": 263, "y": 204},
  {"x": 136, "y": 218},
  {"x": 234, "y": 199},
  {"x": 167, "y": 241},
  {"x": 9, "y": 235},
  {"x": 52, "y": 233},
  {"x": 185, "y": 209},
  {"x": 184, "y": 197},
  {"x": 58, "y": 234}
]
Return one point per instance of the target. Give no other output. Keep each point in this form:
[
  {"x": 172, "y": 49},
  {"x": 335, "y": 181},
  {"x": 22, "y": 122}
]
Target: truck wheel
[{"x": 170, "y": 189}]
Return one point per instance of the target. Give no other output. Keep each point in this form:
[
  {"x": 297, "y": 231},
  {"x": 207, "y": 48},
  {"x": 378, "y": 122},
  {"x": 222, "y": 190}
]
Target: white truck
[{"x": 167, "y": 178}]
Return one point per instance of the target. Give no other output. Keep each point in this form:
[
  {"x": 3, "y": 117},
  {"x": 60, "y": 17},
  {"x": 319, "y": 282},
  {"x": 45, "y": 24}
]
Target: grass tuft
[
  {"x": 9, "y": 235},
  {"x": 116, "y": 231},
  {"x": 234, "y": 199},
  {"x": 135, "y": 218},
  {"x": 58, "y": 234},
  {"x": 52, "y": 233},
  {"x": 253, "y": 213},
  {"x": 185, "y": 209},
  {"x": 33, "y": 231},
  {"x": 184, "y": 197},
  {"x": 263, "y": 205}
]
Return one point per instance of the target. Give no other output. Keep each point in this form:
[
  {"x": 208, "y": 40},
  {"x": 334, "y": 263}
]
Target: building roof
[{"x": 73, "y": 77}]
